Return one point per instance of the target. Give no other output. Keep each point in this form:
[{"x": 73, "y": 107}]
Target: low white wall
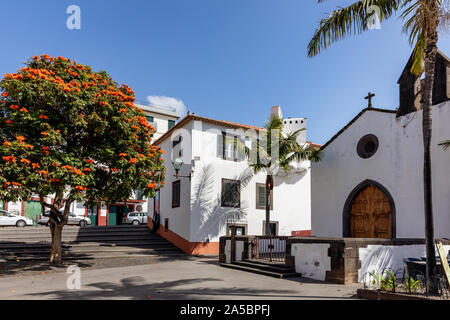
[
  {"x": 311, "y": 259},
  {"x": 238, "y": 252},
  {"x": 378, "y": 258}
]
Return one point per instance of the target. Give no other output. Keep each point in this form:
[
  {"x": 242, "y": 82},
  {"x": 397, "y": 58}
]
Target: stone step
[
  {"x": 106, "y": 255},
  {"x": 121, "y": 251},
  {"x": 38, "y": 237},
  {"x": 66, "y": 244},
  {"x": 103, "y": 238},
  {"x": 280, "y": 268},
  {"x": 91, "y": 248},
  {"x": 274, "y": 274},
  {"x": 70, "y": 228}
]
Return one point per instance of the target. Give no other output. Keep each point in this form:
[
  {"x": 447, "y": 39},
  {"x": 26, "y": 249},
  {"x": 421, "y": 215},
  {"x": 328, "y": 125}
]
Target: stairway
[
  {"x": 266, "y": 268},
  {"x": 85, "y": 243}
]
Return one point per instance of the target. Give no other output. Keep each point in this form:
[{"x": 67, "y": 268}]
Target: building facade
[
  {"x": 215, "y": 188},
  {"x": 369, "y": 183}
]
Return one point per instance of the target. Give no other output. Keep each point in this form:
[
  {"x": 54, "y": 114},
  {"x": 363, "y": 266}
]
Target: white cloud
[{"x": 168, "y": 103}]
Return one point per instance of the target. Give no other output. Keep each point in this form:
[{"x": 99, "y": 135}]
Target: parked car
[
  {"x": 13, "y": 219},
  {"x": 73, "y": 219},
  {"x": 135, "y": 218}
]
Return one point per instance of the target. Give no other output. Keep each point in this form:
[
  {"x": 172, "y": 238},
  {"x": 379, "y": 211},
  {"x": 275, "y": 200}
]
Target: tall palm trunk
[
  {"x": 269, "y": 187},
  {"x": 427, "y": 101}
]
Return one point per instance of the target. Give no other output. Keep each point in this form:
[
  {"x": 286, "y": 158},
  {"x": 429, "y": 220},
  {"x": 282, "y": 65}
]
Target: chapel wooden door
[{"x": 371, "y": 214}]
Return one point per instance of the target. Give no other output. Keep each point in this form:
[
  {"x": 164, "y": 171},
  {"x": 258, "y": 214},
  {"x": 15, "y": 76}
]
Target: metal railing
[{"x": 272, "y": 248}]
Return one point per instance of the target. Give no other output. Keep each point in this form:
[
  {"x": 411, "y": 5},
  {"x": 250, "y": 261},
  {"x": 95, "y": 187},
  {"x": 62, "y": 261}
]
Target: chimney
[{"x": 276, "y": 110}]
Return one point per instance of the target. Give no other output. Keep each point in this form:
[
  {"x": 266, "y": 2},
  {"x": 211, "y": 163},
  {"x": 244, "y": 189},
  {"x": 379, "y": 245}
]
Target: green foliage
[
  {"x": 412, "y": 285},
  {"x": 384, "y": 283},
  {"x": 289, "y": 150},
  {"x": 421, "y": 17},
  {"x": 73, "y": 132}
]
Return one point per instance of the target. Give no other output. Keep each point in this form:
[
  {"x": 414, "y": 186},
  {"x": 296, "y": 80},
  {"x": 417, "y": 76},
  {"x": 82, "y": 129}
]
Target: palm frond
[
  {"x": 350, "y": 20},
  {"x": 445, "y": 144}
]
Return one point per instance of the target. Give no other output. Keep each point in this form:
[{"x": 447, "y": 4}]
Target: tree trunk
[
  {"x": 269, "y": 186},
  {"x": 430, "y": 60},
  {"x": 56, "y": 248}
]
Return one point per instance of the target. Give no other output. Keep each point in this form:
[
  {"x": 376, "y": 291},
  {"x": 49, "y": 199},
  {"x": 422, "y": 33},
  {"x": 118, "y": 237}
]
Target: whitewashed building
[
  {"x": 369, "y": 183},
  {"x": 162, "y": 119},
  {"x": 215, "y": 187}
]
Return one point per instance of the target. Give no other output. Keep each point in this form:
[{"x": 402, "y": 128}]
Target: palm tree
[
  {"x": 270, "y": 160},
  {"x": 422, "y": 21}
]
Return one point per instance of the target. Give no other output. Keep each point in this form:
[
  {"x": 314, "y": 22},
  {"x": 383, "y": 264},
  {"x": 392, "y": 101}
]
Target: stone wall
[{"x": 344, "y": 262}]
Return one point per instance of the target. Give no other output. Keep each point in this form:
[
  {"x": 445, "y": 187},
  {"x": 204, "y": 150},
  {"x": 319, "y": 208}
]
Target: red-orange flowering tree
[{"x": 73, "y": 134}]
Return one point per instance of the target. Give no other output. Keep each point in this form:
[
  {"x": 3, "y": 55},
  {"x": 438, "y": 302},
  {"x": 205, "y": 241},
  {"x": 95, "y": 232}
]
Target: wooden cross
[{"x": 369, "y": 97}]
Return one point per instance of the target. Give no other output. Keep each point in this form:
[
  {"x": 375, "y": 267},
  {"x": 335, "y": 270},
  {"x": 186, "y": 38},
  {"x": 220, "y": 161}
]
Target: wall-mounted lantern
[{"x": 177, "y": 164}]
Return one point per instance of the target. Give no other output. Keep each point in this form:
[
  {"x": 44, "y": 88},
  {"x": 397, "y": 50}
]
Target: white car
[{"x": 12, "y": 219}]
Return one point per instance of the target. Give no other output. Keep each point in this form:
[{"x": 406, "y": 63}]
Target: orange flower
[
  {"x": 43, "y": 117},
  {"x": 161, "y": 151},
  {"x": 133, "y": 160},
  {"x": 89, "y": 161},
  {"x": 80, "y": 188},
  {"x": 35, "y": 165},
  {"x": 44, "y": 133},
  {"x": 122, "y": 155},
  {"x": 114, "y": 169},
  {"x": 87, "y": 170},
  {"x": 21, "y": 138},
  {"x": 25, "y": 161},
  {"x": 16, "y": 184},
  {"x": 7, "y": 144},
  {"x": 151, "y": 185},
  {"x": 9, "y": 121},
  {"x": 43, "y": 172},
  {"x": 4, "y": 94},
  {"x": 9, "y": 158},
  {"x": 36, "y": 58},
  {"x": 23, "y": 110}
]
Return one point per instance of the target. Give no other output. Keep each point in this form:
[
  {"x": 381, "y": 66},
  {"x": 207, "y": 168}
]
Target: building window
[
  {"x": 229, "y": 145},
  {"x": 176, "y": 194},
  {"x": 273, "y": 228},
  {"x": 150, "y": 119},
  {"x": 231, "y": 193},
  {"x": 367, "y": 146},
  {"x": 139, "y": 195},
  {"x": 171, "y": 124},
  {"x": 240, "y": 229},
  {"x": 176, "y": 146},
  {"x": 261, "y": 197}
]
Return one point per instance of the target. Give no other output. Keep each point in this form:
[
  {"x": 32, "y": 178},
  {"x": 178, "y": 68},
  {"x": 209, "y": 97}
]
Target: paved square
[{"x": 193, "y": 278}]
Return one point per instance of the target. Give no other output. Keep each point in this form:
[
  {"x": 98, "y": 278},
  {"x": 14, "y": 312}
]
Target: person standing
[{"x": 156, "y": 222}]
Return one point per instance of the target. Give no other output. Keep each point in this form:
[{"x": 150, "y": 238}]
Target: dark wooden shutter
[{"x": 220, "y": 146}]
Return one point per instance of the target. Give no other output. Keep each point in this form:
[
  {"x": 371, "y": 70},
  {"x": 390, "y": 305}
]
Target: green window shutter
[
  {"x": 261, "y": 196},
  {"x": 171, "y": 124}
]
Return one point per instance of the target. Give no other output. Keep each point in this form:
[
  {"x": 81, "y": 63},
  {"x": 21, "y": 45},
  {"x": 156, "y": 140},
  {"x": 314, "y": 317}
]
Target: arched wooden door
[{"x": 370, "y": 214}]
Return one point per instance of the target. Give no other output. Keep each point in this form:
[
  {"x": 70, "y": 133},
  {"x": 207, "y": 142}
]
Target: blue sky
[{"x": 226, "y": 59}]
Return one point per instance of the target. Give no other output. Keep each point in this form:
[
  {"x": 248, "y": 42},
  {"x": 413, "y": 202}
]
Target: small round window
[{"x": 367, "y": 146}]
